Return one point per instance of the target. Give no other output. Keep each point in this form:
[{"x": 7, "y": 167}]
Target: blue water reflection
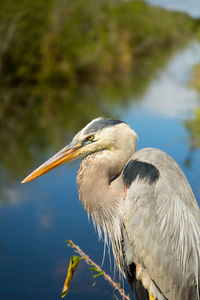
[
  {"x": 40, "y": 216},
  {"x": 33, "y": 250}
]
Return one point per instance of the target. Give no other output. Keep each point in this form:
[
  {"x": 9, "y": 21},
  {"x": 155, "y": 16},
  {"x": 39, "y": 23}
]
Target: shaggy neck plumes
[{"x": 103, "y": 197}]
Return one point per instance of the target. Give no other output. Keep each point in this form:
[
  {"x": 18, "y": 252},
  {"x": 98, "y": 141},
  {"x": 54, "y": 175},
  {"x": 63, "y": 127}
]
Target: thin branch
[{"x": 89, "y": 261}]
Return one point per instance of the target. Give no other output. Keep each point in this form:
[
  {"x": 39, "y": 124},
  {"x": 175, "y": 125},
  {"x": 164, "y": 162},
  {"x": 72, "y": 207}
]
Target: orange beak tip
[
  {"x": 24, "y": 180},
  {"x": 64, "y": 155}
]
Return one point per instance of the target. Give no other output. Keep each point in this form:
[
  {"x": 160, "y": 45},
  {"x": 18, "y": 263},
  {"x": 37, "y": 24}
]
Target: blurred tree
[
  {"x": 193, "y": 127},
  {"x": 60, "y": 58}
]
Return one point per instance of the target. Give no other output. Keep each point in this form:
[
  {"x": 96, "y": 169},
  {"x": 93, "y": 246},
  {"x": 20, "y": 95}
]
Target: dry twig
[{"x": 89, "y": 261}]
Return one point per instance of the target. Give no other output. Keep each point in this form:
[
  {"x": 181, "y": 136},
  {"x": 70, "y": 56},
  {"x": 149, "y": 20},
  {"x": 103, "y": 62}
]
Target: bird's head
[{"x": 100, "y": 134}]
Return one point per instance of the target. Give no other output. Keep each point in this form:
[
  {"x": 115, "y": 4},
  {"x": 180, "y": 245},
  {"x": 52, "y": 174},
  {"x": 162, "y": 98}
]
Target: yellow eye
[{"x": 90, "y": 138}]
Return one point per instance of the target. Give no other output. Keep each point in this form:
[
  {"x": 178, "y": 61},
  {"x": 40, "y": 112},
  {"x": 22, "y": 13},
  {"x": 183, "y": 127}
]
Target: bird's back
[{"x": 162, "y": 220}]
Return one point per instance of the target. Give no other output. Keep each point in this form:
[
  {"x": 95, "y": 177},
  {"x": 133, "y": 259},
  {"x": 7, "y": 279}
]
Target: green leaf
[
  {"x": 94, "y": 269},
  {"x": 74, "y": 262},
  {"x": 69, "y": 243},
  {"x": 99, "y": 272}
]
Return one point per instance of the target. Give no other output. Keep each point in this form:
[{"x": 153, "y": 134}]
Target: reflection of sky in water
[
  {"x": 192, "y": 7},
  {"x": 169, "y": 93},
  {"x": 11, "y": 195},
  {"x": 33, "y": 251},
  {"x": 159, "y": 116}
]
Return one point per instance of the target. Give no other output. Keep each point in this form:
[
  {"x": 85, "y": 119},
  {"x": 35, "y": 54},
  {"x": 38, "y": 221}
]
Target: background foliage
[{"x": 60, "y": 58}]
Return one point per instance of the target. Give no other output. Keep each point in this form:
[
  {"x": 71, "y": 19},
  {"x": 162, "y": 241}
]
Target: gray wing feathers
[{"x": 163, "y": 226}]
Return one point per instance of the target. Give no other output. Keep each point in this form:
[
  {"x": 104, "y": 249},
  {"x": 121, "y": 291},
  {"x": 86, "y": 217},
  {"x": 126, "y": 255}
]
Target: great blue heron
[{"x": 143, "y": 203}]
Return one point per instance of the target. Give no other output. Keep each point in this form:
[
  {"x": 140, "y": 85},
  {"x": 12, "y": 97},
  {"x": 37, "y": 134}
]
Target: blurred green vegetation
[
  {"x": 62, "y": 42},
  {"x": 193, "y": 126},
  {"x": 64, "y": 62},
  {"x": 196, "y": 77},
  {"x": 196, "y": 74}
]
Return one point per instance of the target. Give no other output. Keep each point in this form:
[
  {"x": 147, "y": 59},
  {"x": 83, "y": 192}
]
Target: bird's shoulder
[
  {"x": 150, "y": 160},
  {"x": 156, "y": 169},
  {"x": 161, "y": 218}
]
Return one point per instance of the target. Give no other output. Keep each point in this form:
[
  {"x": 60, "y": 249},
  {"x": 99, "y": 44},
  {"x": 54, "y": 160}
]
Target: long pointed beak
[{"x": 68, "y": 153}]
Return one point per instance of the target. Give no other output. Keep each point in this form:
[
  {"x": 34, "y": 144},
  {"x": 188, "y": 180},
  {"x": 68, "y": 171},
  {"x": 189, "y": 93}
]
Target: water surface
[{"x": 37, "y": 218}]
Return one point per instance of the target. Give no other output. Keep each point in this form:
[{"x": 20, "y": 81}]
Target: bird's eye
[{"x": 90, "y": 138}]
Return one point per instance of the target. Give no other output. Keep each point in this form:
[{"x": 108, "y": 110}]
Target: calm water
[{"x": 37, "y": 218}]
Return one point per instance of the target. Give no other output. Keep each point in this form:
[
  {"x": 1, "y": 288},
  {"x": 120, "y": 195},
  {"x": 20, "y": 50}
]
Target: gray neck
[
  {"x": 102, "y": 198},
  {"x": 98, "y": 193}
]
